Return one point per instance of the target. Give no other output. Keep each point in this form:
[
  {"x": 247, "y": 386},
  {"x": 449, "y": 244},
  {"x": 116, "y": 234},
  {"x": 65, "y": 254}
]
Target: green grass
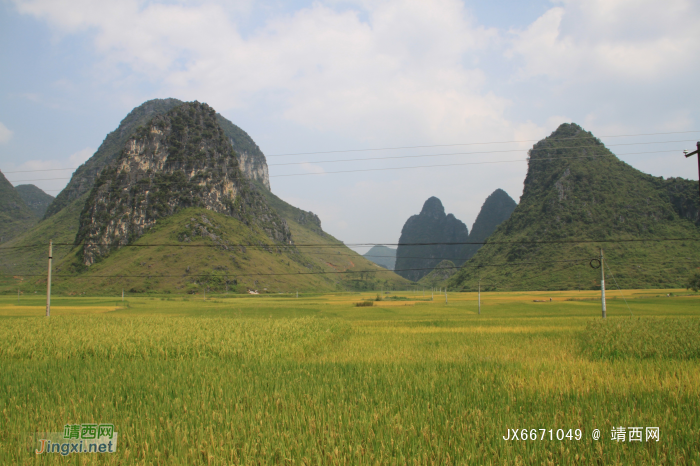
[
  {"x": 316, "y": 380},
  {"x": 179, "y": 268}
]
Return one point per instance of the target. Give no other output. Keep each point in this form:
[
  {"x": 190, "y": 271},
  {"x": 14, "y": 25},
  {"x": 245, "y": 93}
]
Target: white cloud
[
  {"x": 380, "y": 72},
  {"x": 49, "y": 175},
  {"x": 5, "y": 134},
  {"x": 626, "y": 40},
  {"x": 311, "y": 168},
  {"x": 81, "y": 156},
  {"x": 396, "y": 73}
]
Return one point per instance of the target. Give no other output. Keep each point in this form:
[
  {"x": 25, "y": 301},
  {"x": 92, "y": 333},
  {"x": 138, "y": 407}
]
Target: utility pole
[
  {"x": 48, "y": 281},
  {"x": 122, "y": 296},
  {"x": 432, "y": 294},
  {"x": 479, "y": 296},
  {"x": 602, "y": 282},
  {"x": 695, "y": 152},
  {"x": 445, "y": 295}
]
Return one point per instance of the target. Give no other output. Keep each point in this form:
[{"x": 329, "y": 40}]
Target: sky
[{"x": 459, "y": 89}]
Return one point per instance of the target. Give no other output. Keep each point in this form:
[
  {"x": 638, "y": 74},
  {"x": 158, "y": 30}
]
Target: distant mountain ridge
[
  {"x": 576, "y": 192},
  {"x": 36, "y": 199},
  {"x": 432, "y": 225},
  {"x": 382, "y": 255},
  {"x": 15, "y": 216},
  {"x": 440, "y": 274},
  {"x": 496, "y": 209}
]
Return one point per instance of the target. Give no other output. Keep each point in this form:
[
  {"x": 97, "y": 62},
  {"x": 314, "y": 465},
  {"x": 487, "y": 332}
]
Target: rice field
[{"x": 276, "y": 379}]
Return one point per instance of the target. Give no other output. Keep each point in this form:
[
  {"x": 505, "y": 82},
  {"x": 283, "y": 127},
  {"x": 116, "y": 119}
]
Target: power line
[
  {"x": 478, "y": 143},
  {"x": 344, "y": 245},
  {"x": 435, "y": 145},
  {"x": 531, "y": 159},
  {"x": 441, "y": 165},
  {"x": 455, "y": 153},
  {"x": 42, "y": 170}
]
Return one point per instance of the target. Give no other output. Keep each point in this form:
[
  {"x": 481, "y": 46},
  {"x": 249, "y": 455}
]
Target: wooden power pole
[
  {"x": 479, "y": 296},
  {"x": 48, "y": 281},
  {"x": 602, "y": 283},
  {"x": 695, "y": 152}
]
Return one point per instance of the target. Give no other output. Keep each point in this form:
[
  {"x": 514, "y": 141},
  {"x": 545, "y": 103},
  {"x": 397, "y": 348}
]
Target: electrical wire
[
  {"x": 529, "y": 158},
  {"x": 436, "y": 145},
  {"x": 462, "y": 153},
  {"x": 343, "y": 245},
  {"x": 480, "y": 143}
]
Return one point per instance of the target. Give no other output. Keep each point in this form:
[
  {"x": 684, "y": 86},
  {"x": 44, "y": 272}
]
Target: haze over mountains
[
  {"x": 415, "y": 256},
  {"x": 382, "y": 255},
  {"x": 432, "y": 225}
]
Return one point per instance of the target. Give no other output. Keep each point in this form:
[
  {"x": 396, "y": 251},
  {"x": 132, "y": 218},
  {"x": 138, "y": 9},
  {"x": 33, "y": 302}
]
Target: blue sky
[{"x": 304, "y": 77}]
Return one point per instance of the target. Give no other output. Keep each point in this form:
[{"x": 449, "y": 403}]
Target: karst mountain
[
  {"x": 578, "y": 197},
  {"x": 177, "y": 199}
]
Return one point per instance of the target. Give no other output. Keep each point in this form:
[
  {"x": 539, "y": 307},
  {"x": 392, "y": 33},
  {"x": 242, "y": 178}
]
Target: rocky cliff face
[
  {"x": 84, "y": 177},
  {"x": 432, "y": 225},
  {"x": 180, "y": 159},
  {"x": 252, "y": 160},
  {"x": 495, "y": 210}
]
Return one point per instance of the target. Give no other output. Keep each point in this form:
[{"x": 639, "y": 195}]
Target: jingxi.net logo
[{"x": 78, "y": 438}]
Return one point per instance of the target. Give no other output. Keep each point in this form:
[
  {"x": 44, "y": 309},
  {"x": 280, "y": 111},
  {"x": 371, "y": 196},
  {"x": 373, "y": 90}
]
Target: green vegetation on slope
[
  {"x": 200, "y": 251},
  {"x": 15, "y": 216},
  {"x": 27, "y": 254},
  {"x": 203, "y": 251},
  {"x": 439, "y": 275},
  {"x": 577, "y": 190},
  {"x": 36, "y": 199}
]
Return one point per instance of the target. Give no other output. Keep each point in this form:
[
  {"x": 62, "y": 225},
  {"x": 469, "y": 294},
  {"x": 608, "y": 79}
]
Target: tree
[{"x": 694, "y": 282}]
